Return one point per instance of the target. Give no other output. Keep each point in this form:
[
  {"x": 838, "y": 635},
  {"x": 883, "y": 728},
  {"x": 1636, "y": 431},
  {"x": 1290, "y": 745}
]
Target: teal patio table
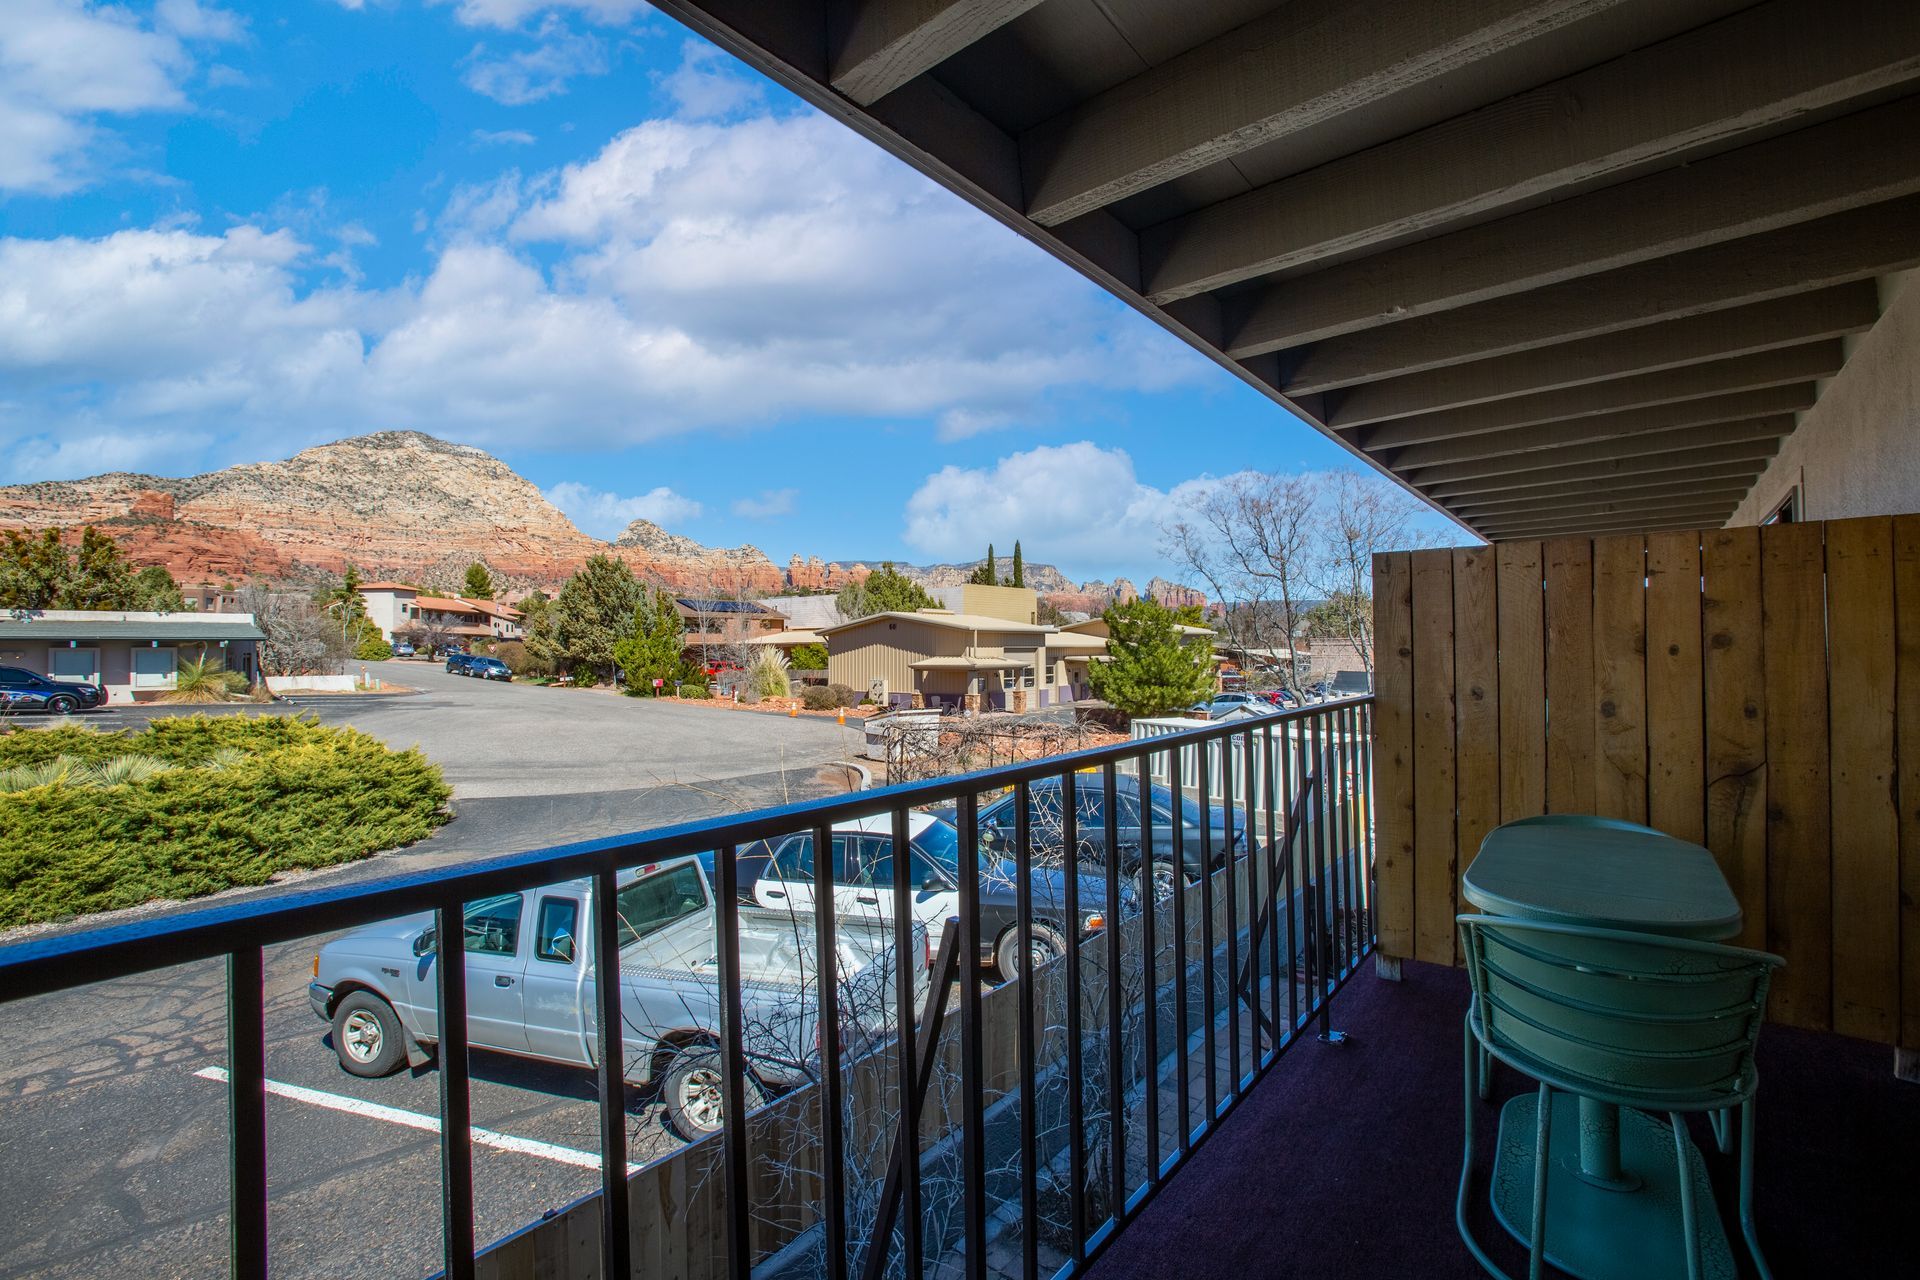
[{"x": 1605, "y": 873}]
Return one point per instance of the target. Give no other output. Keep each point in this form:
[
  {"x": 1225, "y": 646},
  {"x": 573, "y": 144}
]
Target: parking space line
[{"x": 424, "y": 1123}]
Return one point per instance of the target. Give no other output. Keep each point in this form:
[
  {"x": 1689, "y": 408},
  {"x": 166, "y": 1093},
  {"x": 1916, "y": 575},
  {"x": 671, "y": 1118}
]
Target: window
[
  {"x": 650, "y": 905},
  {"x": 1788, "y": 512},
  {"x": 493, "y": 925},
  {"x": 82, "y": 665},
  {"x": 876, "y": 867},
  {"x": 556, "y": 929},
  {"x": 794, "y": 860}
]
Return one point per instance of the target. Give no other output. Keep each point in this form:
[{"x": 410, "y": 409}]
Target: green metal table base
[{"x": 1599, "y": 1232}]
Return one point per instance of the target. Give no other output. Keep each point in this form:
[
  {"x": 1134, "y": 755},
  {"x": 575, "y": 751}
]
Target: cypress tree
[{"x": 1019, "y": 568}]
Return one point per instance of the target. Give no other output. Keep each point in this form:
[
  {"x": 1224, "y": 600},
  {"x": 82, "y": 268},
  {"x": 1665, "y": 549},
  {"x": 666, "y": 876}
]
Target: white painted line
[{"x": 424, "y": 1123}]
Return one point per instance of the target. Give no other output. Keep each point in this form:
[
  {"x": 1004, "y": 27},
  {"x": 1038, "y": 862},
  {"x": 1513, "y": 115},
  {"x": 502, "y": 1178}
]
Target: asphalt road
[{"x": 112, "y": 1118}]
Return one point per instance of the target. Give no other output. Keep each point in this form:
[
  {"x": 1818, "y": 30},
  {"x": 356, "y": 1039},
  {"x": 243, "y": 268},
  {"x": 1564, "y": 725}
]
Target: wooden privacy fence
[{"x": 1755, "y": 690}]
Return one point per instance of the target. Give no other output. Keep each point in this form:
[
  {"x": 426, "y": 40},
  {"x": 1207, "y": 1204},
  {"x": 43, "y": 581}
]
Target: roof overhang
[
  {"x": 1553, "y": 265},
  {"x": 969, "y": 664}
]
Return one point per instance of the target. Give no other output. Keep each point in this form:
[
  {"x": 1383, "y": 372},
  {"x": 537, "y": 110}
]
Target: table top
[{"x": 1611, "y": 877}]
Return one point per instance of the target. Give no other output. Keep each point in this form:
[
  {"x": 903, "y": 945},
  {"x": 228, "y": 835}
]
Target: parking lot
[{"x": 354, "y": 1171}]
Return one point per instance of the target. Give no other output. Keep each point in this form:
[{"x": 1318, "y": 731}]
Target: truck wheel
[
  {"x": 367, "y": 1035},
  {"x": 1044, "y": 947},
  {"x": 1166, "y": 879},
  {"x": 695, "y": 1092},
  {"x": 61, "y": 704}
]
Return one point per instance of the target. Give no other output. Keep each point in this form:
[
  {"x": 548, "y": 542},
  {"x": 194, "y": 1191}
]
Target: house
[
  {"x": 395, "y": 607},
  {"x": 719, "y": 623},
  {"x": 135, "y": 656},
  {"x": 938, "y": 658}
]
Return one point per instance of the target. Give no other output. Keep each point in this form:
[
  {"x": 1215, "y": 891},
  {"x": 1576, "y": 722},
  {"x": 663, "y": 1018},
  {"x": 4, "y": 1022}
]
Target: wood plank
[
  {"x": 1666, "y": 428},
  {"x": 1676, "y": 777},
  {"x": 1672, "y": 516},
  {"x": 1620, "y": 678},
  {"x": 1601, "y": 504},
  {"x": 1724, "y": 459},
  {"x": 1393, "y": 755},
  {"x": 1434, "y": 753},
  {"x": 1799, "y": 848},
  {"x": 1569, "y": 632},
  {"x": 1478, "y": 430},
  {"x": 1749, "y": 71},
  {"x": 882, "y": 44},
  {"x": 1297, "y": 67},
  {"x": 1523, "y": 680},
  {"x": 1906, "y": 597},
  {"x": 1734, "y": 673},
  {"x": 1476, "y": 685},
  {"x": 1866, "y": 827},
  {"x": 1812, "y": 255},
  {"x": 1857, "y": 160},
  {"x": 1679, "y": 481}
]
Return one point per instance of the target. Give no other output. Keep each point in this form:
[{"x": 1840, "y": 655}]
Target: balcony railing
[{"x": 1062, "y": 1105}]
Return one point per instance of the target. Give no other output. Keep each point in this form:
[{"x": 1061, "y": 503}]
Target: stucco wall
[{"x": 1854, "y": 453}]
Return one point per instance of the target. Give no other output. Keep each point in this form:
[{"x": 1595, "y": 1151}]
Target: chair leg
[
  {"x": 1469, "y": 1074},
  {"x": 1722, "y": 1122},
  {"x": 1542, "y": 1155},
  {"x": 1689, "y": 1222},
  {"x": 1747, "y": 1227},
  {"x": 1486, "y": 1073}
]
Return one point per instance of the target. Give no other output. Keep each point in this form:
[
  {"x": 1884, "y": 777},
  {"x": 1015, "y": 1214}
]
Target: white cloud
[
  {"x": 43, "y": 458},
  {"x": 1082, "y": 503},
  {"x": 66, "y": 63},
  {"x": 708, "y": 84},
  {"x": 529, "y": 75},
  {"x": 503, "y": 138},
  {"x": 508, "y": 14},
  {"x": 770, "y": 503},
  {"x": 606, "y": 515},
  {"x": 959, "y": 424}
]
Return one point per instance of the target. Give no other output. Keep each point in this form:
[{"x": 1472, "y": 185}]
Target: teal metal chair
[{"x": 1641, "y": 1021}]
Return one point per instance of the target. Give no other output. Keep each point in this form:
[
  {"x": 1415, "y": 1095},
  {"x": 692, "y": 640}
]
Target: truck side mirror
[{"x": 424, "y": 943}]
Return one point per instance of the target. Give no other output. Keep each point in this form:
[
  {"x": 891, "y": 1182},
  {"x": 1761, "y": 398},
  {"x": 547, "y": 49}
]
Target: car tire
[
  {"x": 62, "y": 704},
  {"x": 694, "y": 1092},
  {"x": 367, "y": 1036},
  {"x": 1165, "y": 877},
  {"x": 1045, "y": 946}
]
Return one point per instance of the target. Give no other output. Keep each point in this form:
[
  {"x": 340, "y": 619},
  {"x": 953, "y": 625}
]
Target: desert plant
[
  {"x": 817, "y": 697},
  {"x": 121, "y": 770},
  {"x": 845, "y": 695},
  {"x": 808, "y": 657},
  {"x": 205, "y": 679},
  {"x": 767, "y": 676},
  {"x": 373, "y": 649}
]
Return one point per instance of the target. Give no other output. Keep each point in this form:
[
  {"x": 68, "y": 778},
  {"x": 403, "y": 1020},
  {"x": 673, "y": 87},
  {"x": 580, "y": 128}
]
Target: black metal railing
[{"x": 1286, "y": 914}]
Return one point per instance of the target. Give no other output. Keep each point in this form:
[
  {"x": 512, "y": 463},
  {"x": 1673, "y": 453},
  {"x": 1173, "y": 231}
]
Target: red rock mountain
[{"x": 396, "y": 504}]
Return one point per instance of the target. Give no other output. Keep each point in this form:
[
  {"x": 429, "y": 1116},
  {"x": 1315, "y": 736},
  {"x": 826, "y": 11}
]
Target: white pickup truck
[{"x": 530, "y": 987}]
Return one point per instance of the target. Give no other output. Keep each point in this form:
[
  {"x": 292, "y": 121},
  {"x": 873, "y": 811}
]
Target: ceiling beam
[
  {"x": 1746, "y": 457},
  {"x": 1754, "y": 413},
  {"x": 1471, "y": 428},
  {"x": 1674, "y": 440},
  {"x": 1299, "y": 66},
  {"x": 1679, "y": 518},
  {"x": 1670, "y": 344},
  {"x": 1757, "y": 68},
  {"x": 1857, "y": 160},
  {"x": 1711, "y": 491},
  {"x": 1679, "y": 482},
  {"x": 879, "y": 45},
  {"x": 1835, "y": 250}
]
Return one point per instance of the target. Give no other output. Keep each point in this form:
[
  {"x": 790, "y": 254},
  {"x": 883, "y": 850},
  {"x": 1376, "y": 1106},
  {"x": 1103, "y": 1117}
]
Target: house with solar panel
[{"x": 716, "y": 624}]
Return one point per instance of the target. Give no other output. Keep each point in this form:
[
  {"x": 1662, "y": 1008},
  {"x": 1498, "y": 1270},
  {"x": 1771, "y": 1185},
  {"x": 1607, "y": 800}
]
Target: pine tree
[
  {"x": 983, "y": 576},
  {"x": 1150, "y": 669},
  {"x": 100, "y": 578},
  {"x": 1019, "y": 578},
  {"x": 33, "y": 570},
  {"x": 593, "y": 612},
  {"x": 655, "y": 648},
  {"x": 885, "y": 591},
  {"x": 479, "y": 582}
]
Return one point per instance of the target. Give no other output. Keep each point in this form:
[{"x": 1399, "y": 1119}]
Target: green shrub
[
  {"x": 194, "y": 805},
  {"x": 808, "y": 657},
  {"x": 373, "y": 649},
  {"x": 817, "y": 697},
  {"x": 845, "y": 695}
]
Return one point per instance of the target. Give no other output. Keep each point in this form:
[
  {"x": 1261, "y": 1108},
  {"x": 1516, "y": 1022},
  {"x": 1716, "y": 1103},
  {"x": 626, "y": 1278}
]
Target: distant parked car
[
  {"x": 1278, "y": 697},
  {"x": 487, "y": 669},
  {"x": 1222, "y": 703},
  {"x": 997, "y": 823},
  {"x": 457, "y": 662},
  {"x": 402, "y": 650},
  {"x": 23, "y": 690}
]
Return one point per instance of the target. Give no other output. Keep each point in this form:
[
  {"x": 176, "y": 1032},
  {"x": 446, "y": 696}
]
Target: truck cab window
[
  {"x": 649, "y": 905},
  {"x": 493, "y": 925},
  {"x": 556, "y": 930}
]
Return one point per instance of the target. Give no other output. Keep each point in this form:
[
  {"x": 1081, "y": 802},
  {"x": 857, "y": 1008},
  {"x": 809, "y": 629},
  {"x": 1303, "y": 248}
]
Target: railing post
[
  {"x": 1323, "y": 978},
  {"x": 456, "y": 1115},
  {"x": 733, "y": 1064},
  {"x": 247, "y": 1112},
  {"x": 616, "y": 1246}
]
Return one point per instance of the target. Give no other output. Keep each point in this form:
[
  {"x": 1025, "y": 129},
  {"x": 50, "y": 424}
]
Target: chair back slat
[{"x": 1637, "y": 1018}]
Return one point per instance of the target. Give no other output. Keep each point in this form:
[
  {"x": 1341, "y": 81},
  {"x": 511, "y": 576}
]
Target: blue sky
[{"x": 577, "y": 236}]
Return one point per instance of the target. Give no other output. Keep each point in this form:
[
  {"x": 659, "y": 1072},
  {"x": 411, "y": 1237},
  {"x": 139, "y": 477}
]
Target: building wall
[
  {"x": 1854, "y": 453},
  {"x": 114, "y": 668},
  {"x": 885, "y": 650},
  {"x": 384, "y": 610},
  {"x": 1015, "y": 604}
]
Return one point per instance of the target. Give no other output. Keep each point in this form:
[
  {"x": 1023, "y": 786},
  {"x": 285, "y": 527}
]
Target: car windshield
[{"x": 941, "y": 842}]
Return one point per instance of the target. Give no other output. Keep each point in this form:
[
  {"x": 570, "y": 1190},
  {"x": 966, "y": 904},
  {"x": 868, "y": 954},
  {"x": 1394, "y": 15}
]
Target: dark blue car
[{"x": 23, "y": 690}]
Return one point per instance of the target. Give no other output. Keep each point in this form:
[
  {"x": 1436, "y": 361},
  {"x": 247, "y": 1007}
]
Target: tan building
[
  {"x": 938, "y": 658},
  {"x": 1015, "y": 604}
]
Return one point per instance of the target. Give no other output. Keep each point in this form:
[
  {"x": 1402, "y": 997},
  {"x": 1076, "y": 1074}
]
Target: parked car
[
  {"x": 483, "y": 668},
  {"x": 530, "y": 987},
  {"x": 863, "y": 880},
  {"x": 401, "y": 649},
  {"x": 24, "y": 690},
  {"x": 1222, "y": 703},
  {"x": 1278, "y": 697},
  {"x": 456, "y": 663},
  {"x": 1048, "y": 830}
]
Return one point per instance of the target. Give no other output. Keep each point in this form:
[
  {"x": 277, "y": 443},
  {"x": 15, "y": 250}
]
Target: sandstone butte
[{"x": 405, "y": 505}]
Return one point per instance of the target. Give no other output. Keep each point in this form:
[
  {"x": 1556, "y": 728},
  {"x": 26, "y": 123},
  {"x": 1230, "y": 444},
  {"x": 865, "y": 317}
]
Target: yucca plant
[
  {"x": 767, "y": 676},
  {"x": 60, "y": 771},
  {"x": 121, "y": 770},
  {"x": 205, "y": 680}
]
